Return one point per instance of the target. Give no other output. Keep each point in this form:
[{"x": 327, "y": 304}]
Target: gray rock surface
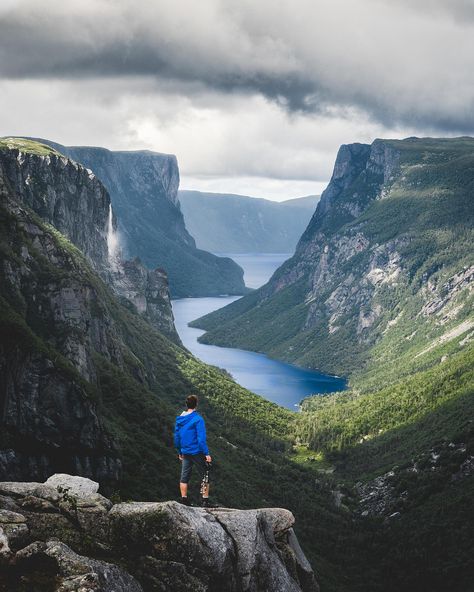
[
  {"x": 154, "y": 546},
  {"x": 148, "y": 290},
  {"x": 81, "y": 487}
]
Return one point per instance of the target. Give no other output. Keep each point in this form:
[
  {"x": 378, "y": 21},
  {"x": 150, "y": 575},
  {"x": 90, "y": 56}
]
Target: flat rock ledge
[{"x": 63, "y": 536}]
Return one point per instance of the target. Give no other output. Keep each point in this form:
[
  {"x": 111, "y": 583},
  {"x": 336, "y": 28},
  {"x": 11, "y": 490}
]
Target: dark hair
[{"x": 191, "y": 402}]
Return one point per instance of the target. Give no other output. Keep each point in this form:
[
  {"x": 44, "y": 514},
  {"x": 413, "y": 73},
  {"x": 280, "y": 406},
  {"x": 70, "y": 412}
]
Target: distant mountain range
[{"x": 229, "y": 223}]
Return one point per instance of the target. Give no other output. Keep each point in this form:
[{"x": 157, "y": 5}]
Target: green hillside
[{"x": 389, "y": 282}]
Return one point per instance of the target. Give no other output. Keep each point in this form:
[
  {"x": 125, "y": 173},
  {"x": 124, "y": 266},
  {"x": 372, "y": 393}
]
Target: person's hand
[
  {"x": 208, "y": 458},
  {"x": 180, "y": 456}
]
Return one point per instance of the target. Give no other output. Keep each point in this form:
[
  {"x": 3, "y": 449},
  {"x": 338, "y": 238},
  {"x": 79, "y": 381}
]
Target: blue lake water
[{"x": 281, "y": 383}]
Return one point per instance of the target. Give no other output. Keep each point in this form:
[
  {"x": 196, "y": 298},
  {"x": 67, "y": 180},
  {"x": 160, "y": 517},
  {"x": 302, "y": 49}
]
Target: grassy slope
[{"x": 25, "y": 145}]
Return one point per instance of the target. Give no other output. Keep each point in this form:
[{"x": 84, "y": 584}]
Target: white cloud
[{"x": 252, "y": 93}]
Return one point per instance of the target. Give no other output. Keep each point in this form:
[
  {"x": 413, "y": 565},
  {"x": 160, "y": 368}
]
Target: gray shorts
[{"x": 187, "y": 466}]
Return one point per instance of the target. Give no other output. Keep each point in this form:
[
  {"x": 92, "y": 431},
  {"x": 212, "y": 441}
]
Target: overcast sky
[{"x": 253, "y": 96}]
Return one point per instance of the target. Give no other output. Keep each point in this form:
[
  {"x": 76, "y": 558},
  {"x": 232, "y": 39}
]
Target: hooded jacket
[{"x": 190, "y": 434}]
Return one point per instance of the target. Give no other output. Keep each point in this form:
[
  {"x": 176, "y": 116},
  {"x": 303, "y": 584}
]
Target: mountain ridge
[
  {"x": 232, "y": 223},
  {"x": 377, "y": 230}
]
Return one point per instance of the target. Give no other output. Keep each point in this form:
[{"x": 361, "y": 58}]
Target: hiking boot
[
  {"x": 205, "y": 503},
  {"x": 185, "y": 501}
]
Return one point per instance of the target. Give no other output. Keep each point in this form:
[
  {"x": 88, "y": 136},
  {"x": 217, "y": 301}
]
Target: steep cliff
[
  {"x": 383, "y": 270},
  {"x": 227, "y": 223},
  {"x": 49, "y": 418},
  {"x": 64, "y": 535},
  {"x": 143, "y": 186},
  {"x": 73, "y": 200},
  {"x": 61, "y": 192}
]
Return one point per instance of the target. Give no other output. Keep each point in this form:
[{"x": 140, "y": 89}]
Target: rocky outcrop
[
  {"x": 148, "y": 291},
  {"x": 63, "y": 533},
  {"x": 394, "y": 493},
  {"x": 143, "y": 186}
]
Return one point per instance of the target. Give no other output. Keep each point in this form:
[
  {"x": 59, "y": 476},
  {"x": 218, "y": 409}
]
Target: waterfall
[{"x": 112, "y": 241}]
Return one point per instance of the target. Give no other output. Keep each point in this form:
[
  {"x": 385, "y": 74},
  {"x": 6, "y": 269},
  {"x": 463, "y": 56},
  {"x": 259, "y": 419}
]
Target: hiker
[{"x": 190, "y": 442}]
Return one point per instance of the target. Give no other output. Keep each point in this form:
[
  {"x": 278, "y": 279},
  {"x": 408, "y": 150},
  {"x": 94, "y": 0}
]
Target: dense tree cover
[{"x": 334, "y": 423}]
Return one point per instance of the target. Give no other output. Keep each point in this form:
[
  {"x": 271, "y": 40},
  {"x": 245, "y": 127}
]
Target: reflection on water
[{"x": 279, "y": 382}]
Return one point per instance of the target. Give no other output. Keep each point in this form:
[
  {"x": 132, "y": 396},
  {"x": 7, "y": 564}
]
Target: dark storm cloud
[{"x": 402, "y": 62}]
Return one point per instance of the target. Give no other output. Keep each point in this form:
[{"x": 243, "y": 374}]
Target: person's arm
[
  {"x": 177, "y": 438},
  {"x": 201, "y": 436}
]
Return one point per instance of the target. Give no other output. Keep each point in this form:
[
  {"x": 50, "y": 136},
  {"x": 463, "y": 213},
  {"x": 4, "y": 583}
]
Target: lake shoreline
[{"x": 281, "y": 382}]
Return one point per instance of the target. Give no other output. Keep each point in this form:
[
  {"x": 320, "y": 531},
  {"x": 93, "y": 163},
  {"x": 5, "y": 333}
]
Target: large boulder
[
  {"x": 172, "y": 532},
  {"x": 51, "y": 530},
  {"x": 77, "y": 573},
  {"x": 73, "y": 485}
]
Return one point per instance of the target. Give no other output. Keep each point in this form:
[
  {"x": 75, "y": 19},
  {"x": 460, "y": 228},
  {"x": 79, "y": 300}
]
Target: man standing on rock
[{"x": 190, "y": 442}]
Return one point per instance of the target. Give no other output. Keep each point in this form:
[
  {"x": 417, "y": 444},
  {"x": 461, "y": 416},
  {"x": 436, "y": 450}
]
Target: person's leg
[{"x": 186, "y": 469}]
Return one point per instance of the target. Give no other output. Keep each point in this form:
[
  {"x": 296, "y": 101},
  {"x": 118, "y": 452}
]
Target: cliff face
[
  {"x": 148, "y": 291},
  {"x": 143, "y": 186},
  {"x": 392, "y": 232},
  {"x": 48, "y": 418},
  {"x": 63, "y": 194},
  {"x": 48, "y": 529},
  {"x": 73, "y": 200}
]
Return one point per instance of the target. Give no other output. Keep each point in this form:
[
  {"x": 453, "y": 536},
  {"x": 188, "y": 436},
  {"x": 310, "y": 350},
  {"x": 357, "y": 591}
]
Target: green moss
[{"x": 28, "y": 146}]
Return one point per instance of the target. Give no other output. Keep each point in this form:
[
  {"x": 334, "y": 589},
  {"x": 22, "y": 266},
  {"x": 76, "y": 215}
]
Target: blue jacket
[{"x": 190, "y": 434}]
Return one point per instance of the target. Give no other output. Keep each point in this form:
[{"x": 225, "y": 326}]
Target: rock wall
[
  {"x": 48, "y": 418},
  {"x": 74, "y": 201},
  {"x": 148, "y": 291},
  {"x": 63, "y": 533},
  {"x": 64, "y": 194},
  {"x": 143, "y": 186}
]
